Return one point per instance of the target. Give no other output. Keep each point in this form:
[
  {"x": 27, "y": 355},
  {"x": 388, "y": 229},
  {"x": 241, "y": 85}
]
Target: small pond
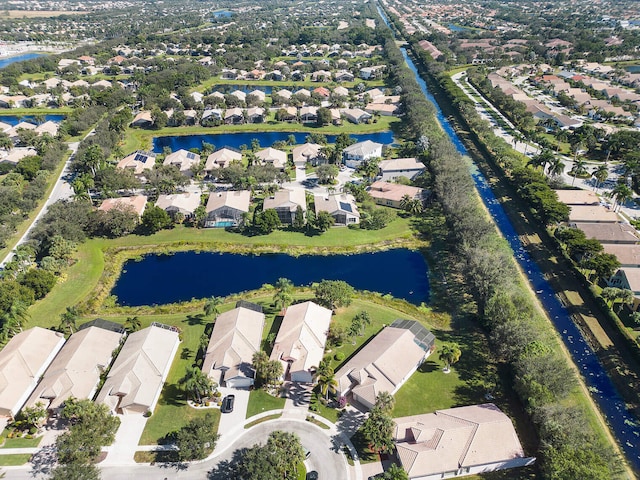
[
  {"x": 222, "y": 14},
  {"x": 15, "y": 119},
  {"x": 4, "y": 62},
  {"x": 266, "y": 139},
  {"x": 161, "y": 279},
  {"x": 633, "y": 68}
]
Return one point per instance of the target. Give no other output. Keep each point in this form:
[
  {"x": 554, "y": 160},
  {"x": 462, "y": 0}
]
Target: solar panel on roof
[
  {"x": 191, "y": 156},
  {"x": 345, "y": 206},
  {"x": 140, "y": 157}
]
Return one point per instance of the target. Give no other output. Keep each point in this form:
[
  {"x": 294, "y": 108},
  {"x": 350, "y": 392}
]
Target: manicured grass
[
  {"x": 284, "y": 83},
  {"x": 329, "y": 413},
  {"x": 260, "y": 401},
  {"x": 20, "y": 442},
  {"x": 362, "y": 447},
  {"x": 35, "y": 111},
  {"x": 14, "y": 459},
  {"x": 156, "y": 457},
  {"x": 302, "y": 471},
  {"x": 142, "y": 139},
  {"x": 262, "y": 420}
]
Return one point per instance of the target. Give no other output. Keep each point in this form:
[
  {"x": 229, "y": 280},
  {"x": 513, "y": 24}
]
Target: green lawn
[
  {"x": 14, "y": 460},
  {"x": 35, "y": 111},
  {"x": 260, "y": 401},
  {"x": 18, "y": 442}
]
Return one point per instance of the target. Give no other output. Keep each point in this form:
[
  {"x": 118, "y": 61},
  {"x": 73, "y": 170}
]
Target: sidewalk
[{"x": 126, "y": 443}]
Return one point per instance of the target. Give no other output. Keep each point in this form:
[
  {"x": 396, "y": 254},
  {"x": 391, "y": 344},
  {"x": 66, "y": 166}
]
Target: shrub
[{"x": 339, "y": 356}]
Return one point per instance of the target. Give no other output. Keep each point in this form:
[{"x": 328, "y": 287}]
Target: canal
[{"x": 623, "y": 425}]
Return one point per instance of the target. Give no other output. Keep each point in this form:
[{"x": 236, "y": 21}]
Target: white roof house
[
  {"x": 275, "y": 157},
  {"x": 137, "y": 203},
  {"x": 457, "y": 442},
  {"x": 77, "y": 368},
  {"x": 301, "y": 339},
  {"x": 386, "y": 362},
  {"x": 222, "y": 158},
  {"x": 138, "y": 161},
  {"x": 136, "y": 378},
  {"x": 183, "y": 159},
  {"x": 409, "y": 168},
  {"x": 286, "y": 203},
  {"x": 184, "y": 203},
  {"x": 235, "y": 338},
  {"x": 225, "y": 209},
  {"x": 357, "y": 153},
  {"x": 341, "y": 206},
  {"x": 307, "y": 152},
  {"x": 22, "y": 362}
]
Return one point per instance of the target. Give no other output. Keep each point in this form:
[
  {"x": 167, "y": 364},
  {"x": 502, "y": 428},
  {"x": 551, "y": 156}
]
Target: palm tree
[
  {"x": 404, "y": 201},
  {"x": 196, "y": 383},
  {"x": 211, "y": 306},
  {"x": 132, "y": 324},
  {"x": 626, "y": 297},
  {"x": 600, "y": 173},
  {"x": 385, "y": 401},
  {"x": 283, "y": 296},
  {"x": 69, "y": 318},
  {"x": 14, "y": 318},
  {"x": 556, "y": 167},
  {"x": 609, "y": 295},
  {"x": 328, "y": 383},
  {"x": 622, "y": 193},
  {"x": 449, "y": 354}
]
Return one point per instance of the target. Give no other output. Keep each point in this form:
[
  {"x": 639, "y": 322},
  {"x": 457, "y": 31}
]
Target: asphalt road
[{"x": 325, "y": 458}]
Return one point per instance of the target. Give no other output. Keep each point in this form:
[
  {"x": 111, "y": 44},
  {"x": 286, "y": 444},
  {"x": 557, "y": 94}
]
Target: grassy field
[
  {"x": 18, "y": 442},
  {"x": 14, "y": 459},
  {"x": 16, "y": 112},
  {"x": 142, "y": 139},
  {"x": 37, "y": 13},
  {"x": 260, "y": 401},
  {"x": 284, "y": 83}
]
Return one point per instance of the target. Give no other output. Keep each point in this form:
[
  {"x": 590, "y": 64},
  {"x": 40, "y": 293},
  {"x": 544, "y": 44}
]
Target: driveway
[{"x": 229, "y": 422}]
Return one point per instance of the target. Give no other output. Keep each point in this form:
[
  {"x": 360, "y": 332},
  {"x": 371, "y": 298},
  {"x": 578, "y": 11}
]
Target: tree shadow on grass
[
  {"x": 193, "y": 320},
  {"x": 428, "y": 367},
  {"x": 226, "y": 469},
  {"x": 186, "y": 353},
  {"x": 173, "y": 395}
]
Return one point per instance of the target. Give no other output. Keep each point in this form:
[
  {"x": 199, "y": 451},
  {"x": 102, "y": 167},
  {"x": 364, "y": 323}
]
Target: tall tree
[
  {"x": 212, "y": 306},
  {"x": 284, "y": 293},
  {"x": 378, "y": 430},
  {"x": 132, "y": 324}
]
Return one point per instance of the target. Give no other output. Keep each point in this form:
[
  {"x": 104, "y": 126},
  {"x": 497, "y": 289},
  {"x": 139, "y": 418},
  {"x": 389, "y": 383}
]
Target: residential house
[
  {"x": 343, "y": 76},
  {"x": 286, "y": 203},
  {"x": 303, "y": 93},
  {"x": 23, "y": 360},
  {"x": 184, "y": 203},
  {"x": 391, "y": 194},
  {"x": 16, "y": 154},
  {"x": 386, "y": 362},
  {"x": 184, "y": 160},
  {"x": 137, "y": 203},
  {"x": 628, "y": 255},
  {"x": 255, "y": 114},
  {"x": 259, "y": 95},
  {"x": 135, "y": 380},
  {"x": 239, "y": 94},
  {"x": 357, "y": 153},
  {"x": 356, "y": 115},
  {"x": 272, "y": 156},
  {"x": 14, "y": 101},
  {"x": 592, "y": 214},
  {"x": 322, "y": 92},
  {"x": 233, "y": 116},
  {"x": 578, "y": 197},
  {"x": 226, "y": 209},
  {"x": 384, "y": 109},
  {"x": 308, "y": 153},
  {"x": 617, "y": 233},
  {"x": 458, "y": 441},
  {"x": 283, "y": 94},
  {"x": 221, "y": 159},
  {"x": 235, "y": 338},
  {"x": 627, "y": 278},
  {"x": 138, "y": 161},
  {"x": 309, "y": 114},
  {"x": 211, "y": 117},
  {"x": 370, "y": 73},
  {"x": 341, "y": 206},
  {"x": 410, "y": 168},
  {"x": 340, "y": 92},
  {"x": 48, "y": 128},
  {"x": 301, "y": 339},
  {"x": 142, "y": 120},
  {"x": 76, "y": 370}
]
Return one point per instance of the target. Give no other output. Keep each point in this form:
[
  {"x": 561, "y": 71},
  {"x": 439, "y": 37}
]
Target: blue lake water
[
  {"x": 266, "y": 139},
  {"x": 222, "y": 14},
  {"x": 19, "y": 58},
  {"x": 457, "y": 28},
  {"x": 160, "y": 279},
  {"x": 633, "y": 68},
  {"x": 14, "y": 120},
  {"x": 623, "y": 424}
]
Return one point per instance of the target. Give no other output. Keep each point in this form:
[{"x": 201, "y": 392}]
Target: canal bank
[{"x": 622, "y": 424}]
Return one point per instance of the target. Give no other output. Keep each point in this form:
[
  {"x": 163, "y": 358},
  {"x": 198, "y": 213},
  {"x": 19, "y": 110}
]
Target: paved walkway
[{"x": 298, "y": 397}]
